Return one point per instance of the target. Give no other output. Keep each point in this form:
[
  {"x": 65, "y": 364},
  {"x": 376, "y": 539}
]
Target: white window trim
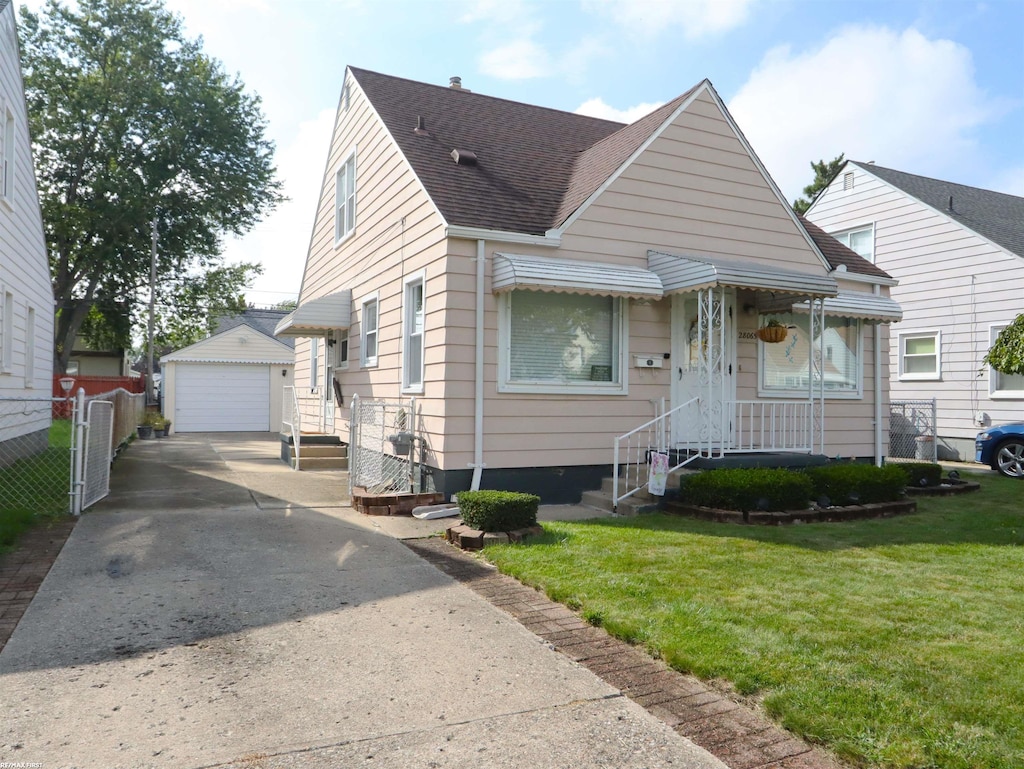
[
  {"x": 30, "y": 347},
  {"x": 341, "y": 236},
  {"x": 8, "y": 154},
  {"x": 858, "y": 228},
  {"x": 6, "y": 330},
  {"x": 848, "y": 395},
  {"x": 411, "y": 280},
  {"x": 993, "y": 393},
  {"x": 364, "y": 361},
  {"x": 505, "y": 352},
  {"x": 341, "y": 364},
  {"x": 314, "y": 363},
  {"x": 903, "y": 337}
]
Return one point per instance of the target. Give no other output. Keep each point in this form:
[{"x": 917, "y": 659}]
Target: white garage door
[{"x": 221, "y": 397}]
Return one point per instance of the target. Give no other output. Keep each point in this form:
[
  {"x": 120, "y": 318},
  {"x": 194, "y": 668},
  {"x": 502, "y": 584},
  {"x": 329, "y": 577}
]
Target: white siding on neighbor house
[
  {"x": 398, "y": 233},
  {"x": 951, "y": 281},
  {"x": 24, "y": 267}
]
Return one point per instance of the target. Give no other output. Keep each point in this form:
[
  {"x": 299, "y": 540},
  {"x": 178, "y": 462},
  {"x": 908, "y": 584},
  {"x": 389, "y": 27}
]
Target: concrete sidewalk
[{"x": 220, "y": 609}]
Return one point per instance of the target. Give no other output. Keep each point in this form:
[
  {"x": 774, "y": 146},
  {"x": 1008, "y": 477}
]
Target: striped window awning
[
  {"x": 871, "y": 307},
  {"x": 691, "y": 273},
  {"x": 318, "y": 316},
  {"x": 538, "y": 273}
]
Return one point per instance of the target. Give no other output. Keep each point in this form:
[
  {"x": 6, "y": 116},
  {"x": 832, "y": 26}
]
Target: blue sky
[{"x": 933, "y": 87}]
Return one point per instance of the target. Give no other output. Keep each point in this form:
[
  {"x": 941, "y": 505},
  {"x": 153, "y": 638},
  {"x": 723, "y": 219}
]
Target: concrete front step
[
  {"x": 320, "y": 450},
  {"x": 602, "y": 500},
  {"x": 323, "y": 463}
]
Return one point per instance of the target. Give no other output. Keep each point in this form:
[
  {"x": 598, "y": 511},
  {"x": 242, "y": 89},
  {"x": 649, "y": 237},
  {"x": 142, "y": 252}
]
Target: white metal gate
[
  {"x": 98, "y": 453},
  {"x": 384, "y": 444}
]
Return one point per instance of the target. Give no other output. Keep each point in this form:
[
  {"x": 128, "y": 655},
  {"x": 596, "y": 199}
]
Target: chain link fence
[
  {"x": 912, "y": 433},
  {"x": 385, "y": 448},
  {"x": 38, "y": 438}
]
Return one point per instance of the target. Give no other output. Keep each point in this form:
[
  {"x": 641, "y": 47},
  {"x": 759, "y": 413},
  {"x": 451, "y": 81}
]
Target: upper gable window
[
  {"x": 345, "y": 199},
  {"x": 861, "y": 240},
  {"x": 6, "y": 154}
]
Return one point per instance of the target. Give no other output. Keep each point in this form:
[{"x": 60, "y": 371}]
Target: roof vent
[
  {"x": 421, "y": 127},
  {"x": 951, "y": 203},
  {"x": 455, "y": 82},
  {"x": 464, "y": 157}
]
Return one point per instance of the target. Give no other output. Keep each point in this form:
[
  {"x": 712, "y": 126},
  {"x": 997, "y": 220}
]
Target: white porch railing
[
  {"x": 751, "y": 426},
  {"x": 291, "y": 420},
  {"x": 771, "y": 426},
  {"x": 633, "y": 450}
]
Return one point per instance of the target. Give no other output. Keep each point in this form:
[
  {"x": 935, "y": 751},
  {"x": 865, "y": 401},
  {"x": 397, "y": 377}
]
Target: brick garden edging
[
  {"x": 391, "y": 504},
  {"x": 737, "y": 735},
  {"x": 23, "y": 569},
  {"x": 820, "y": 515},
  {"x": 461, "y": 535}
]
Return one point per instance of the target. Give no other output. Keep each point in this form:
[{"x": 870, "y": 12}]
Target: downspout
[
  {"x": 877, "y": 289},
  {"x": 478, "y": 384}
]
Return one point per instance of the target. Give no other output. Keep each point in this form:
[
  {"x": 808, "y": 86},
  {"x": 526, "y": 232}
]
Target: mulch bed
[
  {"x": 23, "y": 569},
  {"x": 818, "y": 515},
  {"x": 736, "y": 734}
]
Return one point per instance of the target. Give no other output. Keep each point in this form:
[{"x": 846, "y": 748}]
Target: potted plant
[
  {"x": 154, "y": 424},
  {"x": 772, "y": 332}
]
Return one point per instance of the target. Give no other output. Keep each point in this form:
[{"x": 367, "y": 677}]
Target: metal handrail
[
  {"x": 292, "y": 419},
  {"x": 658, "y": 432}
]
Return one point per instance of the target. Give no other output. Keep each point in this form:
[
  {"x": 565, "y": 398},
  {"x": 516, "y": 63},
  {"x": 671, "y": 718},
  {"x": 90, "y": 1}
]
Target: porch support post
[
  {"x": 722, "y": 379},
  {"x": 821, "y": 377},
  {"x": 703, "y": 375}
]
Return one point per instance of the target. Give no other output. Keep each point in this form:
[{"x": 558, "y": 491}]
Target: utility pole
[{"x": 150, "y": 389}]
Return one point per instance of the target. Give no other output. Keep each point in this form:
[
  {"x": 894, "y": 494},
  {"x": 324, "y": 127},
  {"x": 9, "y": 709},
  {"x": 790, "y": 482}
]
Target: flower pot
[
  {"x": 145, "y": 432},
  {"x": 158, "y": 432},
  {"x": 772, "y": 334}
]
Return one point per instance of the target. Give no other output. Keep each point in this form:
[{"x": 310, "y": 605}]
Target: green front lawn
[
  {"x": 895, "y": 642},
  {"x": 35, "y": 486}
]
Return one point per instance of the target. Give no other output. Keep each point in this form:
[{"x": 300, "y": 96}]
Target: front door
[{"x": 703, "y": 366}]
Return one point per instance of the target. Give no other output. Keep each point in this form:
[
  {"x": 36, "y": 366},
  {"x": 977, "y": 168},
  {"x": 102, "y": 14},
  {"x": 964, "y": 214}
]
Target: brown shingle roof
[
  {"x": 836, "y": 253},
  {"x": 525, "y": 154}
]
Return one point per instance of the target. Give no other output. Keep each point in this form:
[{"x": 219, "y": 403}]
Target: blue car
[{"x": 1002, "y": 449}]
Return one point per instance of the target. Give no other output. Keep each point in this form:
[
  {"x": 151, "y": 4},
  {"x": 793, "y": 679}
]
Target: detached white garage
[{"x": 231, "y": 382}]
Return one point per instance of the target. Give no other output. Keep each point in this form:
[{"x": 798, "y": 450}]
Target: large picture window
[
  {"x": 1003, "y": 385},
  {"x": 563, "y": 343},
  {"x": 784, "y": 365}
]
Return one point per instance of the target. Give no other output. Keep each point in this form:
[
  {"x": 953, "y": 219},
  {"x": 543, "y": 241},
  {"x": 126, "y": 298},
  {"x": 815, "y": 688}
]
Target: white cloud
[
  {"x": 519, "y": 60},
  {"x": 872, "y": 93},
  {"x": 695, "y": 18},
  {"x": 280, "y": 242},
  {"x": 597, "y": 108}
]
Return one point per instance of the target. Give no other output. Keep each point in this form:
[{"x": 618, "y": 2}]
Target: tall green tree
[
  {"x": 824, "y": 173},
  {"x": 1007, "y": 353},
  {"x": 132, "y": 122}
]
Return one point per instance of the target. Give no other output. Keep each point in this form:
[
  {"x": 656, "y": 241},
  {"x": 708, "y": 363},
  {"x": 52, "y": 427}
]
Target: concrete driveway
[{"x": 220, "y": 609}]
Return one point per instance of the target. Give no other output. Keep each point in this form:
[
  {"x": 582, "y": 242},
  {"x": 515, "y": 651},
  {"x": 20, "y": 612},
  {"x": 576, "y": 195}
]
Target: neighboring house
[
  {"x": 542, "y": 282},
  {"x": 87, "y": 361},
  {"x": 958, "y": 253},
  {"x": 232, "y": 381},
  {"x": 26, "y": 295}
]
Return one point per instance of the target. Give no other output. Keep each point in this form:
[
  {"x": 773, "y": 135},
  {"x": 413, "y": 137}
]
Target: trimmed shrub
[
  {"x": 746, "y": 489},
  {"x": 854, "y": 483},
  {"x": 498, "y": 510},
  {"x": 922, "y": 473}
]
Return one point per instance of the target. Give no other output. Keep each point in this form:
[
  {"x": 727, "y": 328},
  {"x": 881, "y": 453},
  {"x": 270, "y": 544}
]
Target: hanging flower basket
[{"x": 772, "y": 333}]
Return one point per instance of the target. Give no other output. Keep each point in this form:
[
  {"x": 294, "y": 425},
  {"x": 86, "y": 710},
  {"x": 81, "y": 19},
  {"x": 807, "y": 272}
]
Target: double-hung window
[
  {"x": 786, "y": 366},
  {"x": 368, "y": 331},
  {"x": 341, "y": 349},
  {"x": 861, "y": 240},
  {"x": 30, "y": 348},
  {"x": 314, "y": 363},
  {"x": 6, "y": 330},
  {"x": 568, "y": 343},
  {"x": 345, "y": 198},
  {"x": 1010, "y": 386},
  {"x": 412, "y": 335},
  {"x": 920, "y": 355}
]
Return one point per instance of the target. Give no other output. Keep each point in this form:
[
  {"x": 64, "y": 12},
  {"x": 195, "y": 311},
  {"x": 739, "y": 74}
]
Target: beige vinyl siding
[
  {"x": 24, "y": 266},
  {"x": 950, "y": 280},
  {"x": 398, "y": 233}
]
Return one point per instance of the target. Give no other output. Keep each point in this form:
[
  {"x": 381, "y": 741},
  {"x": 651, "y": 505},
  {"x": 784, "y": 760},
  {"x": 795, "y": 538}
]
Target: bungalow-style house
[
  {"x": 958, "y": 253},
  {"x": 232, "y": 381},
  {"x": 544, "y": 282},
  {"x": 26, "y": 295},
  {"x": 85, "y": 360}
]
